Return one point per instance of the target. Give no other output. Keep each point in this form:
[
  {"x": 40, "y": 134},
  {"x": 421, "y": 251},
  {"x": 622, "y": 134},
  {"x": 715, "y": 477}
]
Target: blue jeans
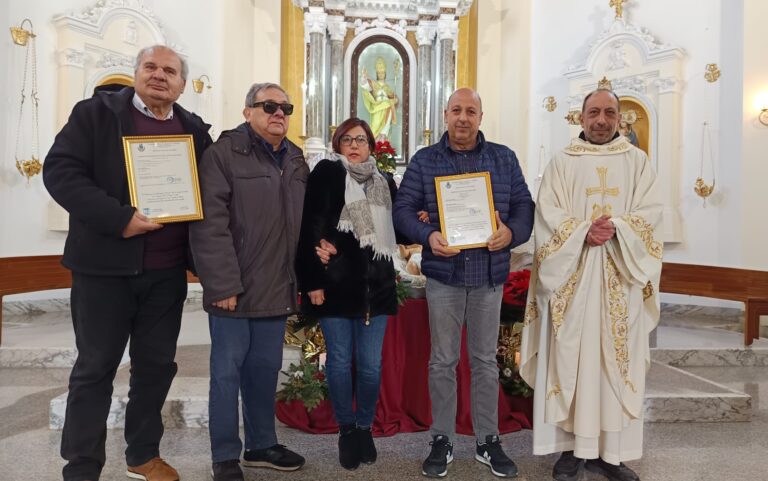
[
  {"x": 343, "y": 338},
  {"x": 246, "y": 357}
]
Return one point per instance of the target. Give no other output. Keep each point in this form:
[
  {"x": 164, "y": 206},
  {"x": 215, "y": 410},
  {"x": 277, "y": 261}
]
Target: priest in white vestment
[{"x": 593, "y": 298}]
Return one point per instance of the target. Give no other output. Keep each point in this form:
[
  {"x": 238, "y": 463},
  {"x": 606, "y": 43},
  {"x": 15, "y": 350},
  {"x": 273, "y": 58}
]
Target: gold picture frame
[
  {"x": 462, "y": 201},
  {"x": 162, "y": 177}
]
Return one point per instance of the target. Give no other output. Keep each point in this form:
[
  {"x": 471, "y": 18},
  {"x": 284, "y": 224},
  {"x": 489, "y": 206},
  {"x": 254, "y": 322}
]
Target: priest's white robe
[{"x": 591, "y": 309}]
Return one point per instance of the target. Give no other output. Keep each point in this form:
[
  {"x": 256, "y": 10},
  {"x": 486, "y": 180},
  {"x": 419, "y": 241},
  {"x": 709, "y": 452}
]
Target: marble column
[
  {"x": 315, "y": 22},
  {"x": 425, "y": 37},
  {"x": 447, "y": 32},
  {"x": 337, "y": 29}
]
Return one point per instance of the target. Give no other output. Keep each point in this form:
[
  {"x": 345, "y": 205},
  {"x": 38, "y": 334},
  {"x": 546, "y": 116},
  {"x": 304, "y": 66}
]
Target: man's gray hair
[
  {"x": 618, "y": 102},
  {"x": 253, "y": 92},
  {"x": 147, "y": 50}
]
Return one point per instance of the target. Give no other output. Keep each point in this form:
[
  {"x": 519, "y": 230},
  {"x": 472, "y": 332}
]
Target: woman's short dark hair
[{"x": 348, "y": 125}]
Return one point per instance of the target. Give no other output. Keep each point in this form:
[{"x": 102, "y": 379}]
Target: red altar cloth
[{"x": 404, "y": 404}]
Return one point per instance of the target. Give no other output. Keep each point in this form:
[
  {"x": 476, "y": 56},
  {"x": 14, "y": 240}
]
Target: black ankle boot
[
  {"x": 367, "y": 448},
  {"x": 349, "y": 451}
]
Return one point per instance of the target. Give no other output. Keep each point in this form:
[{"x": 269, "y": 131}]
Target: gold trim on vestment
[
  {"x": 647, "y": 290},
  {"x": 531, "y": 309},
  {"x": 578, "y": 146},
  {"x": 619, "y": 313},
  {"x": 562, "y": 233},
  {"x": 645, "y": 231},
  {"x": 556, "y": 390},
  {"x": 561, "y": 298}
]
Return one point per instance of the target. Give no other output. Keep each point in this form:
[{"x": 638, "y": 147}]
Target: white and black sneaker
[
  {"x": 436, "y": 464},
  {"x": 491, "y": 454}
]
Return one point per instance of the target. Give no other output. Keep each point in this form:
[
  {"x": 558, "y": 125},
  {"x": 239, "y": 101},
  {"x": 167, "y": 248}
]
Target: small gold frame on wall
[
  {"x": 711, "y": 72},
  {"x": 549, "y": 103}
]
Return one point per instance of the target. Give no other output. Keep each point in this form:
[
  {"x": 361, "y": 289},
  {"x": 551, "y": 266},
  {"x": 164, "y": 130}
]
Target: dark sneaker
[
  {"x": 568, "y": 467},
  {"x": 277, "y": 457},
  {"x": 491, "y": 454},
  {"x": 227, "y": 471},
  {"x": 611, "y": 471},
  {"x": 367, "y": 448},
  {"x": 441, "y": 455},
  {"x": 349, "y": 448}
]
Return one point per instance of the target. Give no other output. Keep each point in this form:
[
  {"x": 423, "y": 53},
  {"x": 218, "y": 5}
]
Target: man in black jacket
[{"x": 128, "y": 273}]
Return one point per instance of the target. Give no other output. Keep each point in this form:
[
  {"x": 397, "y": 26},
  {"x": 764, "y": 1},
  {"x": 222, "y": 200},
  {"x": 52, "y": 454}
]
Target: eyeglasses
[
  {"x": 271, "y": 107},
  {"x": 346, "y": 140}
]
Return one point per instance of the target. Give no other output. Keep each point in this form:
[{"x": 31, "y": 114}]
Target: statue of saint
[{"x": 380, "y": 100}]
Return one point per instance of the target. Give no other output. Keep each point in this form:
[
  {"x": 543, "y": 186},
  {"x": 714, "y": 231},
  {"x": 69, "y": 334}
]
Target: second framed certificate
[
  {"x": 465, "y": 204},
  {"x": 162, "y": 177}
]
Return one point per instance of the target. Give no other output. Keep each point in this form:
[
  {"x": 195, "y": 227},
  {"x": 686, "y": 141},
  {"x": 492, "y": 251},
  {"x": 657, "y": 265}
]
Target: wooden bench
[
  {"x": 36, "y": 273},
  {"x": 40, "y": 273},
  {"x": 743, "y": 285}
]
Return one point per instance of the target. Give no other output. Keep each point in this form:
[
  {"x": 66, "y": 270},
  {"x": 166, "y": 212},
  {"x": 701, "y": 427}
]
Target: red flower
[{"x": 516, "y": 288}]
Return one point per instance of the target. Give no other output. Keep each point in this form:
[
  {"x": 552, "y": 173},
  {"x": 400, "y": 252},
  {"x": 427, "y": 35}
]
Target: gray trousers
[{"x": 450, "y": 308}]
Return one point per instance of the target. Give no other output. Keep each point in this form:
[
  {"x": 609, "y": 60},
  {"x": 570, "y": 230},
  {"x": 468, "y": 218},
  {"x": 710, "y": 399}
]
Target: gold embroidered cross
[
  {"x": 602, "y": 172},
  {"x": 604, "y": 209}
]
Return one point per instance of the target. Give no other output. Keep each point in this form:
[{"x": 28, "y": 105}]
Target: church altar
[{"x": 404, "y": 404}]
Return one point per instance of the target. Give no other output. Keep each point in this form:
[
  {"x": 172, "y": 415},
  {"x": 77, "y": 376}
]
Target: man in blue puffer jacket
[{"x": 464, "y": 286}]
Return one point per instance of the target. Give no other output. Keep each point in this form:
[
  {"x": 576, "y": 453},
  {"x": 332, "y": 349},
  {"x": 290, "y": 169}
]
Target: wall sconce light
[
  {"x": 199, "y": 83},
  {"x": 763, "y": 117},
  {"x": 761, "y": 104},
  {"x": 573, "y": 117},
  {"x": 20, "y": 35}
]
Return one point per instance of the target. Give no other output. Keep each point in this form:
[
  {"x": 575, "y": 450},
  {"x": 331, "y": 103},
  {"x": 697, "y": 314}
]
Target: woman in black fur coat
[{"x": 348, "y": 203}]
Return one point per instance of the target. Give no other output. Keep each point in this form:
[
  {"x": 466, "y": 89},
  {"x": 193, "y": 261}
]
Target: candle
[
  {"x": 517, "y": 360},
  {"x": 429, "y": 101},
  {"x": 333, "y": 101},
  {"x": 304, "y": 108}
]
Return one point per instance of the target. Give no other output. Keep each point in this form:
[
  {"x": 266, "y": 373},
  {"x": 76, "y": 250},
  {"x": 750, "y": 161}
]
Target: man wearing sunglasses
[{"x": 252, "y": 183}]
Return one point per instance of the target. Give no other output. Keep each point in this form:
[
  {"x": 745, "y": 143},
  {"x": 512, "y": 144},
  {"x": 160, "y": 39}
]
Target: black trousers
[{"x": 107, "y": 312}]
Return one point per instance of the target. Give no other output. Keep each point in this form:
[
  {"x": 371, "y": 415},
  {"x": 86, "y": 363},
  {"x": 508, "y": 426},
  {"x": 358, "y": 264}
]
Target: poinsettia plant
[
  {"x": 385, "y": 156},
  {"x": 514, "y": 296}
]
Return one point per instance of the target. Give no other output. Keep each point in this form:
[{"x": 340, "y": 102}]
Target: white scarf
[{"x": 367, "y": 211}]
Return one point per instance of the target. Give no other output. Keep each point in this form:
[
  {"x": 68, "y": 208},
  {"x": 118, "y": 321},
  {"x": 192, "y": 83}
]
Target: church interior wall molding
[{"x": 650, "y": 74}]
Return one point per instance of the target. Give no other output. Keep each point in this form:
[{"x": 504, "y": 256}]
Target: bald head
[
  {"x": 466, "y": 91},
  {"x": 463, "y": 115}
]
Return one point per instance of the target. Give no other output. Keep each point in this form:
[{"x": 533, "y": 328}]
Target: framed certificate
[
  {"x": 465, "y": 204},
  {"x": 162, "y": 177}
]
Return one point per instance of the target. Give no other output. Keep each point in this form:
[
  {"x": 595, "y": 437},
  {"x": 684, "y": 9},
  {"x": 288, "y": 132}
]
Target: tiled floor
[{"x": 673, "y": 451}]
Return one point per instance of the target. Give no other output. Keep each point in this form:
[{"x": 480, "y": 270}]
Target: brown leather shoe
[{"x": 153, "y": 470}]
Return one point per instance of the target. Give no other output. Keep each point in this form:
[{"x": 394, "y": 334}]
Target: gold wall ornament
[
  {"x": 711, "y": 72},
  {"x": 573, "y": 117},
  {"x": 618, "y": 5},
  {"x": 27, "y": 39},
  {"x": 198, "y": 84},
  {"x": 20, "y": 35},
  {"x": 29, "y": 167},
  {"x": 604, "y": 84},
  {"x": 549, "y": 103},
  {"x": 701, "y": 188}
]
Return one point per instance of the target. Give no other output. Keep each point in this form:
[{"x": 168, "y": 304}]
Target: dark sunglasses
[{"x": 271, "y": 107}]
